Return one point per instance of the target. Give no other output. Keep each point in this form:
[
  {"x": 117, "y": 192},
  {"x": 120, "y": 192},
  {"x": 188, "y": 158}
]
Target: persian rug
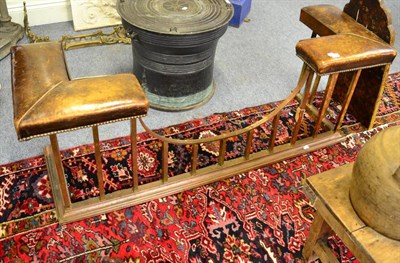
[{"x": 259, "y": 216}]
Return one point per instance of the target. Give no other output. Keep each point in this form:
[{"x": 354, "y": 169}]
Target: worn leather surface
[
  {"x": 328, "y": 20},
  {"x": 46, "y": 101},
  {"x": 343, "y": 52}
]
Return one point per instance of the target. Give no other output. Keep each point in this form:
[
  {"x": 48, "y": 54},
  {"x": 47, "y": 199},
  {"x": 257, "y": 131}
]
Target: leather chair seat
[
  {"x": 327, "y": 20},
  {"x": 47, "y": 102},
  {"x": 344, "y": 52}
]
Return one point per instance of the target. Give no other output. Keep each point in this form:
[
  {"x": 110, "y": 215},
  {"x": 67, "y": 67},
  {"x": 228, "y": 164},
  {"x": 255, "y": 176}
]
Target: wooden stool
[
  {"x": 47, "y": 102},
  {"x": 370, "y": 19},
  {"x": 329, "y": 191},
  {"x": 332, "y": 56}
]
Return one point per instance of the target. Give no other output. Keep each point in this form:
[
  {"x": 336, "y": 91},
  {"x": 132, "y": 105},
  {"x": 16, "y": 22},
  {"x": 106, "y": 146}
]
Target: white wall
[{"x": 40, "y": 11}]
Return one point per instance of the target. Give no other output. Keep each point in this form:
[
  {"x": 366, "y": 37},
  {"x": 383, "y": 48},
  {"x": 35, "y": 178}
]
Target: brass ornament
[{"x": 98, "y": 38}]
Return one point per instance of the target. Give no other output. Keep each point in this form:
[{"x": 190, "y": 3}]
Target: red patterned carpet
[{"x": 260, "y": 216}]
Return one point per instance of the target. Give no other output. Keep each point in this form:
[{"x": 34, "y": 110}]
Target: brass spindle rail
[
  {"x": 196, "y": 176},
  {"x": 310, "y": 85},
  {"x": 249, "y": 130}
]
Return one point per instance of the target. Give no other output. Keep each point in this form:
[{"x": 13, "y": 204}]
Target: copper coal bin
[{"x": 174, "y": 43}]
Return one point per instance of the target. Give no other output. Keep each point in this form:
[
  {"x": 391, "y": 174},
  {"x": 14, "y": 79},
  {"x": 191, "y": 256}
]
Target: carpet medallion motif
[{"x": 260, "y": 216}]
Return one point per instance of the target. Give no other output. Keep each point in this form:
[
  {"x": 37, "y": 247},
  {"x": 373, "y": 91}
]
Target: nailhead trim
[{"x": 80, "y": 127}]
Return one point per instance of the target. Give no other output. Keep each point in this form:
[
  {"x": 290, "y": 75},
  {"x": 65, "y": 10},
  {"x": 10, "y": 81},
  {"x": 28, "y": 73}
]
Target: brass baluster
[
  {"x": 165, "y": 162},
  {"x": 195, "y": 152},
  {"x": 302, "y": 107},
  {"x": 222, "y": 151},
  {"x": 249, "y": 143},
  {"x": 314, "y": 89},
  {"x": 325, "y": 102},
  {"x": 60, "y": 171},
  {"x": 99, "y": 167},
  {"x": 274, "y": 130},
  {"x": 134, "y": 155},
  {"x": 347, "y": 100}
]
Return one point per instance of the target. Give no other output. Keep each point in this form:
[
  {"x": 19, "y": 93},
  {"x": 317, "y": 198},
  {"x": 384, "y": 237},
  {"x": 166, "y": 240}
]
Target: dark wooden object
[{"x": 367, "y": 18}]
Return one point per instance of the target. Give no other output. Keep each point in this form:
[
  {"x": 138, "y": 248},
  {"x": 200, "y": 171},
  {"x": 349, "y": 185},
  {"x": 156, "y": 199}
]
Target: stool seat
[
  {"x": 47, "y": 102},
  {"x": 344, "y": 52},
  {"x": 327, "y": 20}
]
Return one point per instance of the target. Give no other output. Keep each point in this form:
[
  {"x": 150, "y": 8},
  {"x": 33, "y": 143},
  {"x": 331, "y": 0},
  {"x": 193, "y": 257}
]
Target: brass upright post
[
  {"x": 60, "y": 171},
  {"x": 325, "y": 101},
  {"x": 99, "y": 166},
  {"x": 274, "y": 130},
  {"x": 249, "y": 144},
  {"x": 195, "y": 152},
  {"x": 222, "y": 151},
  {"x": 134, "y": 155},
  {"x": 302, "y": 107},
  {"x": 347, "y": 100},
  {"x": 165, "y": 162}
]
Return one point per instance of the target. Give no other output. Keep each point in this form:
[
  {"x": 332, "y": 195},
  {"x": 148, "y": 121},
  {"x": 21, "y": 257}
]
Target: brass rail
[
  {"x": 249, "y": 128},
  {"x": 167, "y": 184}
]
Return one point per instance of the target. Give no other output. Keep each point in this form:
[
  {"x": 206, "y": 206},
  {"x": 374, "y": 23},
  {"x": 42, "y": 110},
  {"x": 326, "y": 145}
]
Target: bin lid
[{"x": 176, "y": 17}]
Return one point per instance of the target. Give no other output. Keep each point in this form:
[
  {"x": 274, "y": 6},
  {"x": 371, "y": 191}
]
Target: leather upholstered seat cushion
[
  {"x": 329, "y": 20},
  {"x": 343, "y": 52},
  {"x": 47, "y": 102}
]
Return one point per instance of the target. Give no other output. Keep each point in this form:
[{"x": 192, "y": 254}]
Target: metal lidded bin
[{"x": 173, "y": 44}]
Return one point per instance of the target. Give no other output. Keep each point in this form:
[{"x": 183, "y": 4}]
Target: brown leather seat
[
  {"x": 327, "y": 20},
  {"x": 47, "y": 102},
  {"x": 344, "y": 52}
]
